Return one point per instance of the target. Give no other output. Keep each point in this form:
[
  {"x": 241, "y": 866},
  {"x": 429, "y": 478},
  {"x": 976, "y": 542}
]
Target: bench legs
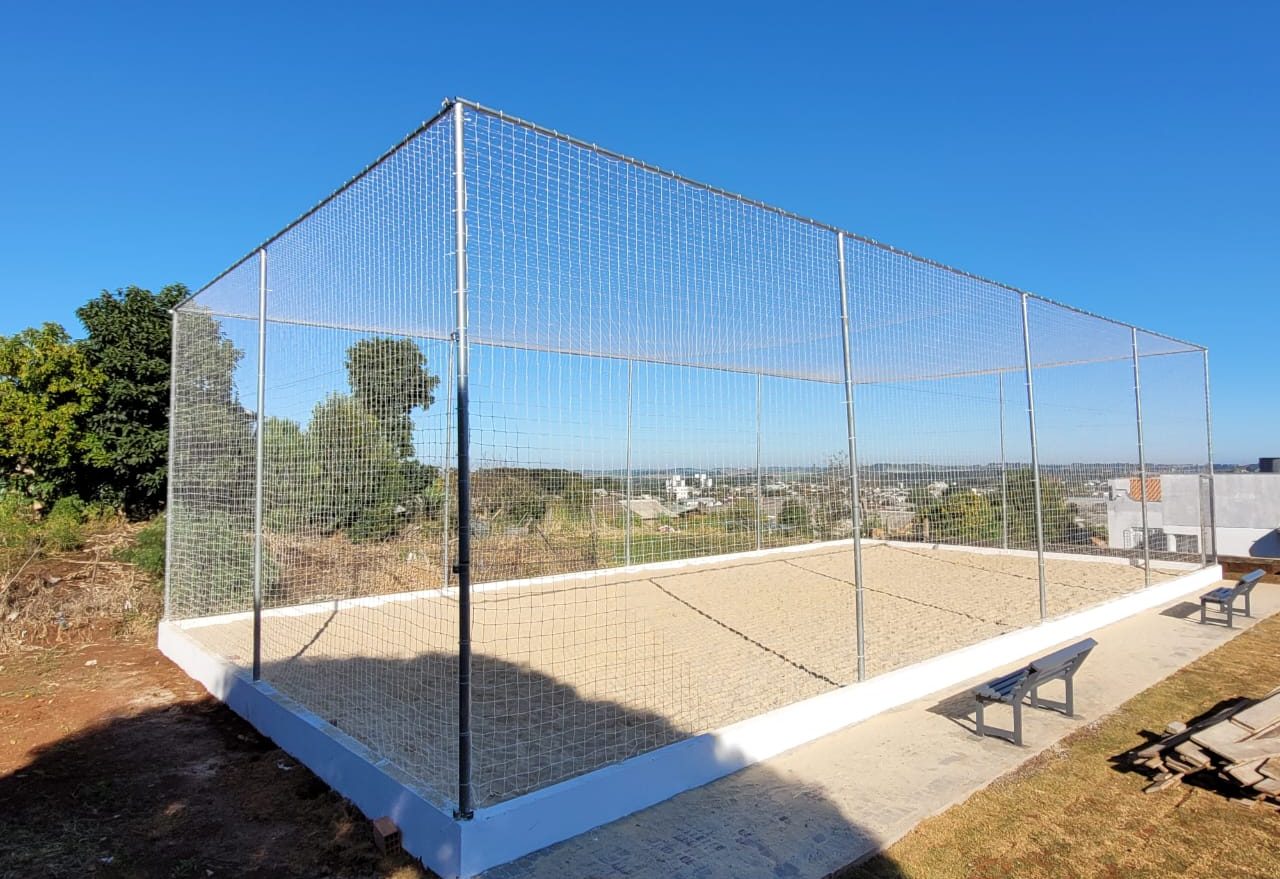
[
  {"x": 1227, "y": 607},
  {"x": 1016, "y": 737}
]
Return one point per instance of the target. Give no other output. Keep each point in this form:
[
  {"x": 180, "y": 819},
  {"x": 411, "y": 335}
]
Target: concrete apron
[{"x": 849, "y": 795}]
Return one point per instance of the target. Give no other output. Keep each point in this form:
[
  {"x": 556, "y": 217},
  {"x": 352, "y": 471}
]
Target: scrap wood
[{"x": 1240, "y": 743}]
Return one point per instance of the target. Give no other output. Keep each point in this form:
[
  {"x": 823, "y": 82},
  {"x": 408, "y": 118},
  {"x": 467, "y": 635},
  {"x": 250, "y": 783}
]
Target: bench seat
[
  {"x": 1010, "y": 689},
  {"x": 1225, "y": 598}
]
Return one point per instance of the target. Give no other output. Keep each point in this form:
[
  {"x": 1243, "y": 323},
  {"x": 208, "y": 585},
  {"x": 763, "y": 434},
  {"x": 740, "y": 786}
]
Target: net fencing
[{"x": 663, "y": 462}]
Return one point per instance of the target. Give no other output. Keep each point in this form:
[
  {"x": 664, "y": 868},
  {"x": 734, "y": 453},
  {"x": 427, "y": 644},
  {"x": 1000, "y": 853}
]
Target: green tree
[
  {"x": 389, "y": 379},
  {"x": 964, "y": 517},
  {"x": 213, "y": 455},
  {"x": 48, "y": 392},
  {"x": 128, "y": 341},
  {"x": 291, "y": 476},
  {"x": 1057, "y": 516},
  {"x": 361, "y": 482}
]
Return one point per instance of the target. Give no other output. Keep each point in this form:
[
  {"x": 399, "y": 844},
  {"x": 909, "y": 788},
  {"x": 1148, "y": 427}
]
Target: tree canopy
[
  {"x": 49, "y": 392},
  {"x": 128, "y": 342}
]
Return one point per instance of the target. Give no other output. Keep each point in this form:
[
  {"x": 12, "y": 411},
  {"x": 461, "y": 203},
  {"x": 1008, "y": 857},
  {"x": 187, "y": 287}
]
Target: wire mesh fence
[{"x": 717, "y": 459}]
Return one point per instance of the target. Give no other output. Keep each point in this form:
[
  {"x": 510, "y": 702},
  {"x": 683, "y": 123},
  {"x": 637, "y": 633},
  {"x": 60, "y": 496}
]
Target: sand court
[{"x": 577, "y": 672}]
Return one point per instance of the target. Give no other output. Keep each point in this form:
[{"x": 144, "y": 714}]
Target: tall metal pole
[
  {"x": 258, "y": 466},
  {"x": 759, "y": 472},
  {"x": 1004, "y": 469},
  {"x": 1142, "y": 457},
  {"x": 1035, "y": 459},
  {"x": 1208, "y": 425},
  {"x": 168, "y": 476},
  {"x": 463, "y": 565},
  {"x": 448, "y": 452},
  {"x": 855, "y": 507},
  {"x": 630, "y": 495}
]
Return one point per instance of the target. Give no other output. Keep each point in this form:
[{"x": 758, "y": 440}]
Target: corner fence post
[
  {"x": 1142, "y": 457},
  {"x": 759, "y": 472},
  {"x": 855, "y": 508},
  {"x": 462, "y": 566},
  {"x": 169, "y": 471},
  {"x": 1208, "y": 426},
  {"x": 448, "y": 453},
  {"x": 1004, "y": 469},
  {"x": 1035, "y": 459},
  {"x": 258, "y": 465},
  {"x": 626, "y": 552}
]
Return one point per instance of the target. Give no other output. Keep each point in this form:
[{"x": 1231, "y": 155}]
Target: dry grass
[
  {"x": 1070, "y": 813},
  {"x": 66, "y": 597}
]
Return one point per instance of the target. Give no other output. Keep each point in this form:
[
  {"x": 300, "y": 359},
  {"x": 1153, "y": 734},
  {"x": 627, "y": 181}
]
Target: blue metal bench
[
  {"x": 1011, "y": 689},
  {"x": 1225, "y": 598}
]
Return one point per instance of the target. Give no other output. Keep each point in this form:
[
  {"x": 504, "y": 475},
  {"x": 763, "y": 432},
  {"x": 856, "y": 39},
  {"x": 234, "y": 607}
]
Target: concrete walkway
[{"x": 845, "y": 797}]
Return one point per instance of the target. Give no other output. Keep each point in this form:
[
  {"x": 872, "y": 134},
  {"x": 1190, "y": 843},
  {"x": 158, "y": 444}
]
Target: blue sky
[{"x": 1120, "y": 160}]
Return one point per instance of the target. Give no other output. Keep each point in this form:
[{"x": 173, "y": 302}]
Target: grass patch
[{"x": 1068, "y": 813}]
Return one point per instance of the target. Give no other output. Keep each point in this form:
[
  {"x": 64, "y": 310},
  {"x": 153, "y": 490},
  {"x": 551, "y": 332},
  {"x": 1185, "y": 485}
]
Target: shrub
[
  {"x": 19, "y": 529},
  {"x": 214, "y": 572},
  {"x": 63, "y": 528},
  {"x": 147, "y": 549}
]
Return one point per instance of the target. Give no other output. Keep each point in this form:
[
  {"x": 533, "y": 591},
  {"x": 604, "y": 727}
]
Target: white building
[
  {"x": 677, "y": 488},
  {"x": 1246, "y": 505}
]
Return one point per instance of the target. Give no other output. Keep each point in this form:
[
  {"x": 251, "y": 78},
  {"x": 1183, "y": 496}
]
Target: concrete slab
[{"x": 842, "y": 798}]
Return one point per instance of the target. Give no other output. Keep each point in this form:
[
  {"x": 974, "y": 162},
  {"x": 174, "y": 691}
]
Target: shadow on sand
[{"x": 187, "y": 788}]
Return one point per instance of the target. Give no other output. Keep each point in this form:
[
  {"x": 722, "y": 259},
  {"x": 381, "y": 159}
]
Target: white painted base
[{"x": 501, "y": 833}]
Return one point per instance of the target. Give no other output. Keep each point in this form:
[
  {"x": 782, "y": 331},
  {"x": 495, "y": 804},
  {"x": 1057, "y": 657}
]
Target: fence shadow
[{"x": 179, "y": 790}]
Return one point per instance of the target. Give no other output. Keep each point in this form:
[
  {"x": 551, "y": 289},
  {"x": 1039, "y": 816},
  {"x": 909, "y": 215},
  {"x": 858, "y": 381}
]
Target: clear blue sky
[{"x": 1122, "y": 161}]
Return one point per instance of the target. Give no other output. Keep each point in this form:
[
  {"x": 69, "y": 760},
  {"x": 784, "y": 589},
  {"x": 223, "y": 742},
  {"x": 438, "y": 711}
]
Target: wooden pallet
[{"x": 1240, "y": 743}]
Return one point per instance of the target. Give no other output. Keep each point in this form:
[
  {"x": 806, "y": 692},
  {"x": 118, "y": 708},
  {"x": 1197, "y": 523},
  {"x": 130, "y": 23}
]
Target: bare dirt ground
[{"x": 114, "y": 764}]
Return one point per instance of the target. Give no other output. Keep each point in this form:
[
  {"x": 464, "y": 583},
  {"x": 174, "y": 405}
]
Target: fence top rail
[{"x": 450, "y": 103}]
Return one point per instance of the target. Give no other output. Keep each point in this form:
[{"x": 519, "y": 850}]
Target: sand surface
[{"x": 575, "y": 674}]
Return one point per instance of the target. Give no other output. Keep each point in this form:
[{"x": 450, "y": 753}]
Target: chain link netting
[{"x": 661, "y": 465}]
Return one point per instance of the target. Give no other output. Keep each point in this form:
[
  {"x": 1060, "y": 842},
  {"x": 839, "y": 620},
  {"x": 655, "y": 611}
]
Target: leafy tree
[
  {"x": 213, "y": 443},
  {"x": 389, "y": 379},
  {"x": 963, "y": 517},
  {"x": 48, "y": 392},
  {"x": 291, "y": 476},
  {"x": 360, "y": 477},
  {"x": 1057, "y": 516},
  {"x": 128, "y": 341}
]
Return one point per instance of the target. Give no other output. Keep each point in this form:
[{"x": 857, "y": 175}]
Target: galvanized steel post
[
  {"x": 1004, "y": 469},
  {"x": 759, "y": 472},
  {"x": 462, "y": 567},
  {"x": 448, "y": 451},
  {"x": 630, "y": 515},
  {"x": 1035, "y": 459},
  {"x": 258, "y": 465},
  {"x": 1142, "y": 457},
  {"x": 1208, "y": 425},
  {"x": 168, "y": 477},
  {"x": 855, "y": 508}
]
